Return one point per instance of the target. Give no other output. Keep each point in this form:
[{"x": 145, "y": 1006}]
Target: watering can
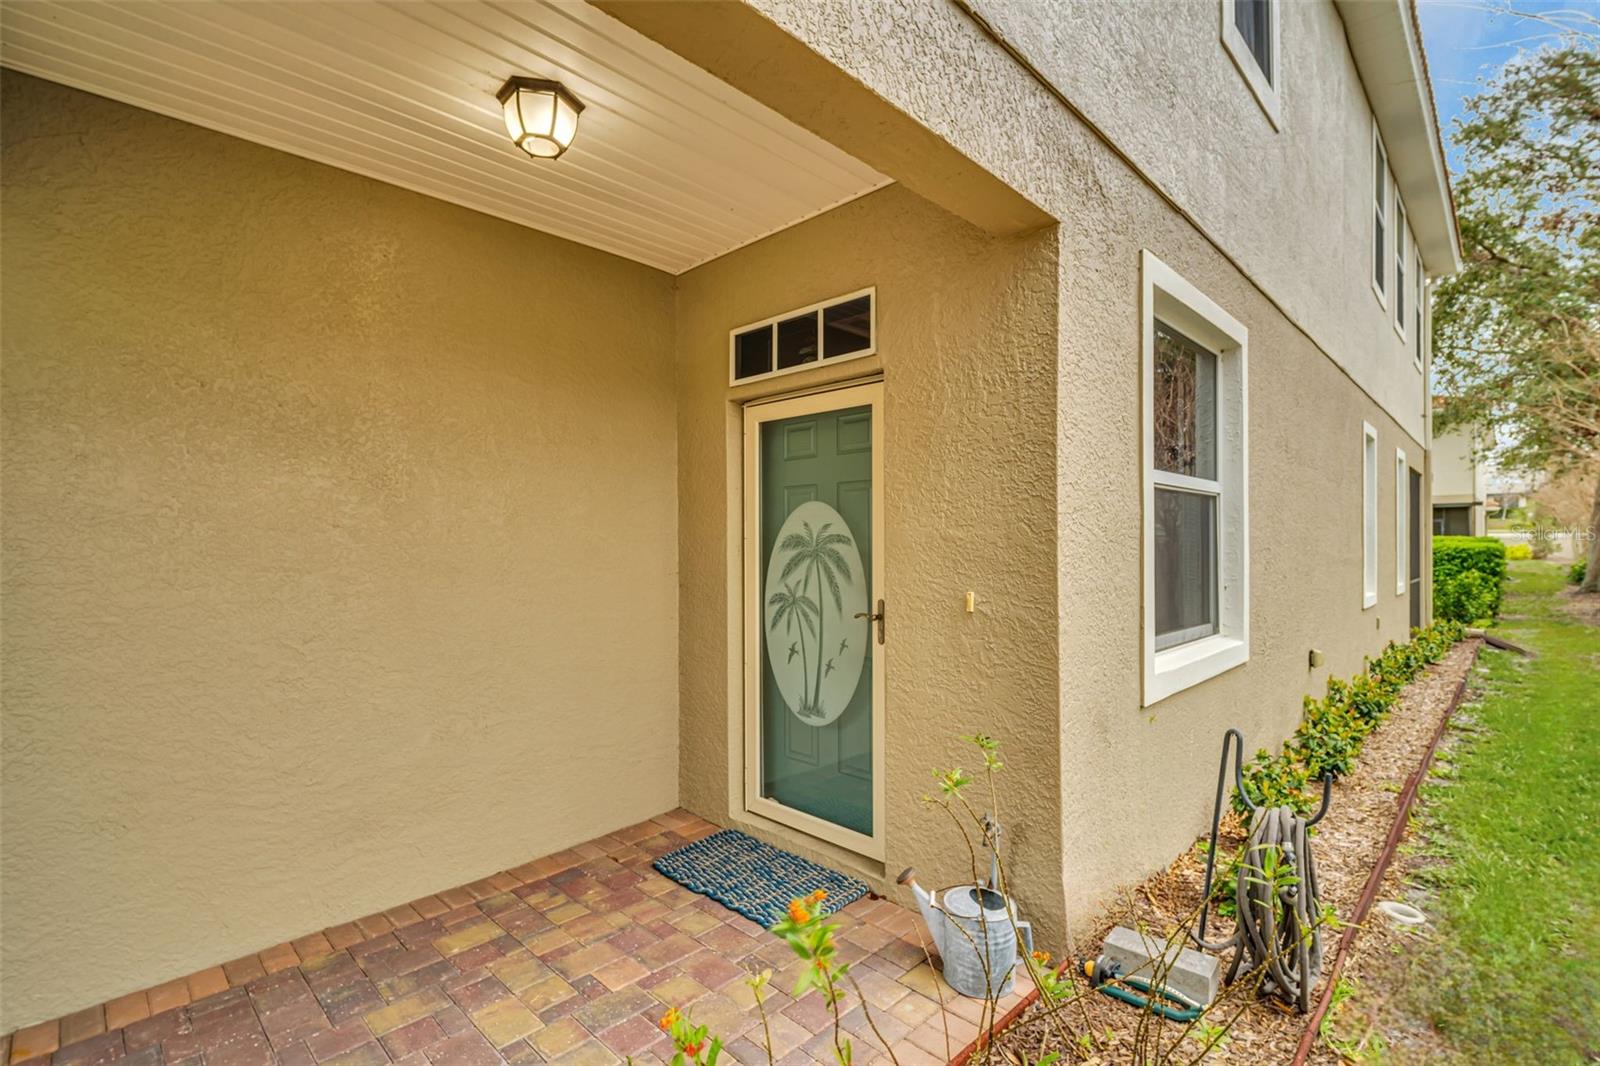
[{"x": 975, "y": 929}]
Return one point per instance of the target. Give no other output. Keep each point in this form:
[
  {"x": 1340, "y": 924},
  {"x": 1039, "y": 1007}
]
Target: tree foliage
[{"x": 1517, "y": 332}]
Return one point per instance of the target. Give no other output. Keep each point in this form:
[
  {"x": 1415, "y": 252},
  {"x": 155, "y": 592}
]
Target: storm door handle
[{"x": 875, "y": 616}]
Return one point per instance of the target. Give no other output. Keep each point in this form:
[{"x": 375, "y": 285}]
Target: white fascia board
[{"x": 1388, "y": 54}]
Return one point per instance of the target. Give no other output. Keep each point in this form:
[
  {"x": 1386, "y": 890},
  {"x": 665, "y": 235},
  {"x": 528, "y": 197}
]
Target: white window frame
[
  {"x": 1402, "y": 554},
  {"x": 1168, "y": 296},
  {"x": 1380, "y": 215},
  {"x": 1419, "y": 309},
  {"x": 1402, "y": 276},
  {"x": 1369, "y": 515},
  {"x": 822, "y": 360},
  {"x": 1265, "y": 85}
]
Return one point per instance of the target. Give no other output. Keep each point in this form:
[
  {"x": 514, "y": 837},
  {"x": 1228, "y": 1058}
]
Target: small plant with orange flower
[{"x": 692, "y": 1044}]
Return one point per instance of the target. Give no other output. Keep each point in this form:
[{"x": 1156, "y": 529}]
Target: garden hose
[
  {"x": 1105, "y": 976},
  {"x": 1279, "y": 910}
]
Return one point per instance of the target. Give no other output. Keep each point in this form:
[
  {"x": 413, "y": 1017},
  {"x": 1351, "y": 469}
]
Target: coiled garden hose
[
  {"x": 1278, "y": 922},
  {"x": 1105, "y": 977}
]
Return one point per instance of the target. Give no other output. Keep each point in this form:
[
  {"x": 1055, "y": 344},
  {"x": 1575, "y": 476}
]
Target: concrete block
[{"x": 1190, "y": 972}]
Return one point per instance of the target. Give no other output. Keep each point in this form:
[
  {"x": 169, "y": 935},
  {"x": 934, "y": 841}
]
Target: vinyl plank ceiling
[{"x": 671, "y": 166}]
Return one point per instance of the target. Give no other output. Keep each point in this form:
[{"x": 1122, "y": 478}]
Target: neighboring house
[
  {"x": 384, "y": 507},
  {"x": 1458, "y": 484}
]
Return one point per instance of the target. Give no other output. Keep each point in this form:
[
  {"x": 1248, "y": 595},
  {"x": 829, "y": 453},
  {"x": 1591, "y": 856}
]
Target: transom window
[
  {"x": 831, "y": 331},
  {"x": 1196, "y": 509}
]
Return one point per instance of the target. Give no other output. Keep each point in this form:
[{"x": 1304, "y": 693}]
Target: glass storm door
[{"x": 812, "y": 571}]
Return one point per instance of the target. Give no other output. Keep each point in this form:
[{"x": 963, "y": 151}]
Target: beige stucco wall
[
  {"x": 1136, "y": 783},
  {"x": 339, "y": 547},
  {"x": 966, "y": 343},
  {"x": 1457, "y": 474},
  {"x": 1175, "y": 102}
]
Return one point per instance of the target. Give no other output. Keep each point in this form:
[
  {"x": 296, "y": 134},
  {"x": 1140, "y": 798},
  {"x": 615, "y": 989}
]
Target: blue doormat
[{"x": 757, "y": 880}]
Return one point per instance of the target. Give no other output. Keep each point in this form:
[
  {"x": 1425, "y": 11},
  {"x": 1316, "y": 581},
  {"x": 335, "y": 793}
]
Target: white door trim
[{"x": 755, "y": 804}]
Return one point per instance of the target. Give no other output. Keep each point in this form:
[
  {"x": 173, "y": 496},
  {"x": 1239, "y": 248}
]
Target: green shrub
[
  {"x": 1576, "y": 572},
  {"x": 1332, "y": 729},
  {"x": 1274, "y": 781},
  {"x": 1454, "y": 556},
  {"x": 1328, "y": 739},
  {"x": 1466, "y": 597},
  {"x": 1519, "y": 551}
]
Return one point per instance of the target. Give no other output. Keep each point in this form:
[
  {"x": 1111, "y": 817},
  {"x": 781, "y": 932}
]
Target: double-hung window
[
  {"x": 1399, "y": 265},
  {"x": 1196, "y": 549},
  {"x": 1401, "y": 532},
  {"x": 1380, "y": 215},
  {"x": 1250, "y": 35},
  {"x": 1369, "y": 515}
]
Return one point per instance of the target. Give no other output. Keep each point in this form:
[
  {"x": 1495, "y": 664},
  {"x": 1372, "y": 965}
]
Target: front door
[{"x": 813, "y": 573}]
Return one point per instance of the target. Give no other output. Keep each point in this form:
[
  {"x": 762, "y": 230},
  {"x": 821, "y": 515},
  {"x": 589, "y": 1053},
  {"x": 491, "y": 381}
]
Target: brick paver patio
[{"x": 571, "y": 958}]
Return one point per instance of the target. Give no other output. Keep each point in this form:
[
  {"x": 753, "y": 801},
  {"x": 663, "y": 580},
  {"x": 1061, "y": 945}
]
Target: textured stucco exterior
[
  {"x": 967, "y": 349},
  {"x": 319, "y": 494},
  {"x": 1457, "y": 473},
  {"x": 937, "y": 66},
  {"x": 339, "y": 550},
  {"x": 1176, "y": 104}
]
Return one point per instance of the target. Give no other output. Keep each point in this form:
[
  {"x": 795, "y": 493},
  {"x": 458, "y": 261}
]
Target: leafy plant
[
  {"x": 1520, "y": 551},
  {"x": 1576, "y": 572},
  {"x": 1274, "y": 781},
  {"x": 1466, "y": 597}
]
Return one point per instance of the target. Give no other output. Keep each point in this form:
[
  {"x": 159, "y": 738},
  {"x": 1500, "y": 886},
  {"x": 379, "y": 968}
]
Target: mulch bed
[{"x": 1347, "y": 843}]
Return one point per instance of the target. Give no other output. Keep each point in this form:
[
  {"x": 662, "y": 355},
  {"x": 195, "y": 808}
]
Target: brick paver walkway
[{"x": 571, "y": 958}]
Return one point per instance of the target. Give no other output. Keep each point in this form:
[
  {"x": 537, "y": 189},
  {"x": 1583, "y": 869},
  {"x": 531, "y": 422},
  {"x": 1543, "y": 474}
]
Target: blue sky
[{"x": 1468, "y": 41}]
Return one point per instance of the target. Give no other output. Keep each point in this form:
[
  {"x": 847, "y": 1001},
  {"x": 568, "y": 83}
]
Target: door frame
[{"x": 755, "y": 414}]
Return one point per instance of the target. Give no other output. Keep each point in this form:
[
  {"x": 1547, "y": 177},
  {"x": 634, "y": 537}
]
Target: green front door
[{"x": 814, "y": 524}]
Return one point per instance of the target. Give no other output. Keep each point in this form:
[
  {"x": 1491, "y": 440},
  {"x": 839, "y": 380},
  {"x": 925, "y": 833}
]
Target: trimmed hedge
[
  {"x": 1467, "y": 576},
  {"x": 1334, "y": 728}
]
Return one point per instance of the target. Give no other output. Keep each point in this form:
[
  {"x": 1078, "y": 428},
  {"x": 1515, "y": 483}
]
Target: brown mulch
[{"x": 1347, "y": 844}]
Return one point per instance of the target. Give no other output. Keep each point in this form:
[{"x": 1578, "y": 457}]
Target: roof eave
[{"x": 1387, "y": 47}]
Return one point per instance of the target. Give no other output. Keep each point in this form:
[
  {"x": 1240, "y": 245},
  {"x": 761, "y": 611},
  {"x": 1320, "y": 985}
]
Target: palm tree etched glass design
[
  {"x": 790, "y": 608},
  {"x": 817, "y": 552}
]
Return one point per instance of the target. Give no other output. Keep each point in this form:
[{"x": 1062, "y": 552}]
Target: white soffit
[
  {"x": 1388, "y": 53},
  {"x": 671, "y": 166}
]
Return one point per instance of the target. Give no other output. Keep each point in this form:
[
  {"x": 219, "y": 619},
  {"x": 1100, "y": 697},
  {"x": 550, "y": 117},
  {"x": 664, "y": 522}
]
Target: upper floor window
[
  {"x": 1416, "y": 352},
  {"x": 1251, "y": 35},
  {"x": 1196, "y": 540},
  {"x": 1380, "y": 215},
  {"x": 1399, "y": 264}
]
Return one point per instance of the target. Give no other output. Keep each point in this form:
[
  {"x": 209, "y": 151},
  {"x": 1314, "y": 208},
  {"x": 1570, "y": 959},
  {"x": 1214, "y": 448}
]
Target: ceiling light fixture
[{"x": 541, "y": 115}]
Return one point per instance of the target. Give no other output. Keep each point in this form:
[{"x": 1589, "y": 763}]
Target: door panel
[{"x": 814, "y": 677}]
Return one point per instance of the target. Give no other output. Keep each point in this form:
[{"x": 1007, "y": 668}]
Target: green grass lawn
[{"x": 1514, "y": 820}]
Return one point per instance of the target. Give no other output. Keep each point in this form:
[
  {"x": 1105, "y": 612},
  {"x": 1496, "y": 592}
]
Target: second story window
[
  {"x": 1399, "y": 265},
  {"x": 1253, "y": 20},
  {"x": 1251, "y": 35},
  {"x": 1380, "y": 214}
]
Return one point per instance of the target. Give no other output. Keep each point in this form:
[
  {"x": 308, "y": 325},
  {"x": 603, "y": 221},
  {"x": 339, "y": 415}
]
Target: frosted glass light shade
[{"x": 541, "y": 115}]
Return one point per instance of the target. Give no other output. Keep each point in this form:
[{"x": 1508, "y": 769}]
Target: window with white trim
[
  {"x": 1196, "y": 546},
  {"x": 1369, "y": 515},
  {"x": 831, "y": 331},
  {"x": 1250, "y": 33},
  {"x": 1399, "y": 265},
  {"x": 1402, "y": 554},
  {"x": 1416, "y": 304},
  {"x": 1380, "y": 214}
]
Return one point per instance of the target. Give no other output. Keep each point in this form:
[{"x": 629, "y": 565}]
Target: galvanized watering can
[{"x": 975, "y": 929}]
